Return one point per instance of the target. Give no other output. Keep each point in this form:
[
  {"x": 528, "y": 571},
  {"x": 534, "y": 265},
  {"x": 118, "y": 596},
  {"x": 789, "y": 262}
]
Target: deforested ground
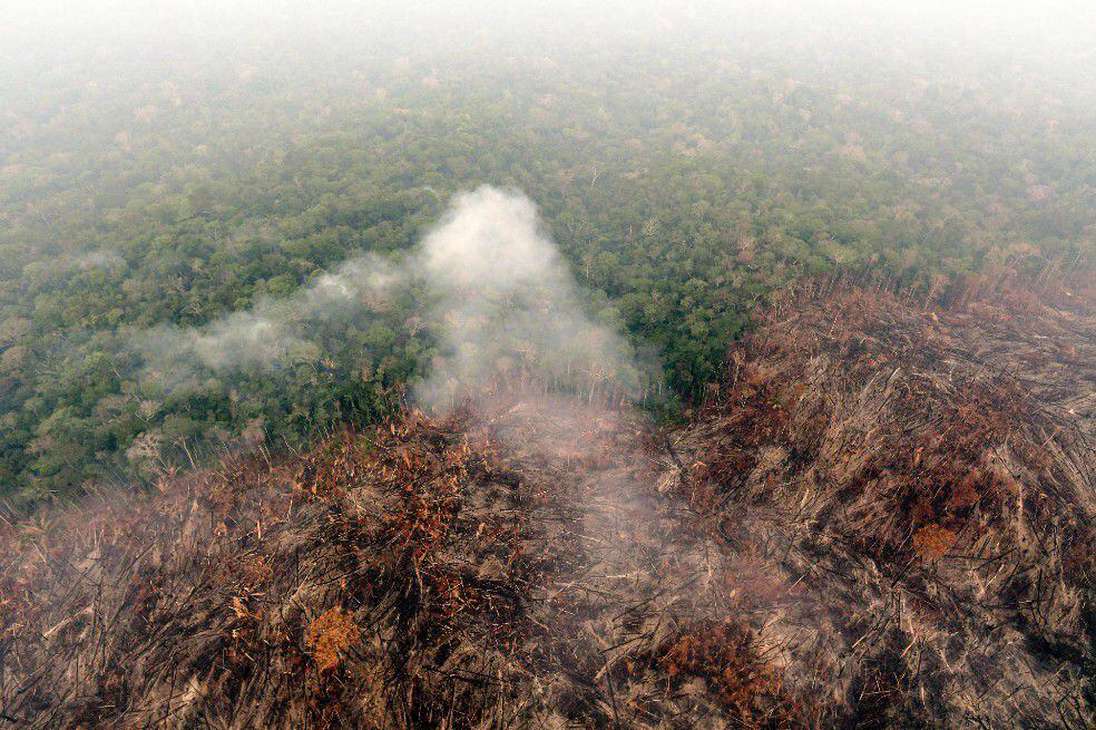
[
  {"x": 923, "y": 469},
  {"x": 882, "y": 517}
]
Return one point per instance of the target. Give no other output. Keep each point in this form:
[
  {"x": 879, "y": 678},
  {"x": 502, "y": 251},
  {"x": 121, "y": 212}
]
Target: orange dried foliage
[
  {"x": 332, "y": 633},
  {"x": 933, "y": 541}
]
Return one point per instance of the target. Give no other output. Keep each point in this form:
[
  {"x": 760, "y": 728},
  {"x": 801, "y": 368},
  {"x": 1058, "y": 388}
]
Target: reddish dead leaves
[
  {"x": 725, "y": 657},
  {"x": 329, "y": 635}
]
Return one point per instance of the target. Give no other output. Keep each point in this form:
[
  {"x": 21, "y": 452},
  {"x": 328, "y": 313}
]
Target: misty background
[{"x": 216, "y": 218}]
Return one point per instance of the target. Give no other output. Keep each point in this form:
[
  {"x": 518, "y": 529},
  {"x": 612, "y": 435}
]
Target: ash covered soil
[{"x": 882, "y": 517}]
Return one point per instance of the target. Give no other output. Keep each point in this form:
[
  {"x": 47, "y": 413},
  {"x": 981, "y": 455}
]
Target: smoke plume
[{"x": 487, "y": 282}]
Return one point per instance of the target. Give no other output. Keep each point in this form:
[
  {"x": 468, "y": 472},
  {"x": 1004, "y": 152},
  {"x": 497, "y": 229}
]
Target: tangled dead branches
[{"x": 883, "y": 517}]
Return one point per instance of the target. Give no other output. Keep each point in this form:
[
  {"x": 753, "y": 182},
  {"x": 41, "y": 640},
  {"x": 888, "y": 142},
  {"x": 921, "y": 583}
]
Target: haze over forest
[{"x": 166, "y": 165}]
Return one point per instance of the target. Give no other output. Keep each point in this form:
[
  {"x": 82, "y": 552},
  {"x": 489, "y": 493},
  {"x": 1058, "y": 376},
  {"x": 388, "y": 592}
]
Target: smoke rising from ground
[
  {"x": 507, "y": 305},
  {"x": 491, "y": 287},
  {"x": 274, "y": 333}
]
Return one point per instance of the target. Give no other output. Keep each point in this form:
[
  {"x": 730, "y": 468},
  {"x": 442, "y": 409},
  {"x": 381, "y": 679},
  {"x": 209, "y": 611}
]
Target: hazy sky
[
  {"x": 46, "y": 43},
  {"x": 56, "y": 22}
]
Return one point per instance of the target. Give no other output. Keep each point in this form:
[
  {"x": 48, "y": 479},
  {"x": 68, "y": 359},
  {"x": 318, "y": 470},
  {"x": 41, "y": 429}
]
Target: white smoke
[
  {"x": 507, "y": 306},
  {"x": 499, "y": 299},
  {"x": 272, "y": 334}
]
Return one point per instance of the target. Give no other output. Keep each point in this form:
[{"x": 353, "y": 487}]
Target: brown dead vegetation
[
  {"x": 882, "y": 518},
  {"x": 724, "y": 655},
  {"x": 304, "y": 593},
  {"x": 505, "y": 569},
  {"x": 925, "y": 467}
]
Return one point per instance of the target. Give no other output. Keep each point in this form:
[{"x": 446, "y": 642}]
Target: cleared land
[{"x": 883, "y": 516}]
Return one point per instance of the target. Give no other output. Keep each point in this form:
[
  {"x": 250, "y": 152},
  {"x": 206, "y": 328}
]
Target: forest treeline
[{"x": 680, "y": 191}]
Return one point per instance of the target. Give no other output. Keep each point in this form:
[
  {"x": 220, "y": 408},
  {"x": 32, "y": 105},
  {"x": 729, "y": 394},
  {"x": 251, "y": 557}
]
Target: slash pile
[
  {"x": 508, "y": 567},
  {"x": 925, "y": 473}
]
